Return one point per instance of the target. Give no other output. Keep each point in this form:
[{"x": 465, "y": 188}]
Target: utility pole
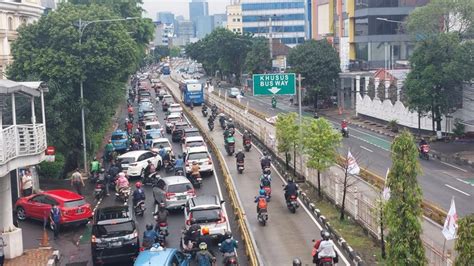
[
  {"x": 300, "y": 121},
  {"x": 270, "y": 37}
]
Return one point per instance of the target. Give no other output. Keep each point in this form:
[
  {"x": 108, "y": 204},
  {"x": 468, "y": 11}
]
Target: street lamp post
[{"x": 82, "y": 25}]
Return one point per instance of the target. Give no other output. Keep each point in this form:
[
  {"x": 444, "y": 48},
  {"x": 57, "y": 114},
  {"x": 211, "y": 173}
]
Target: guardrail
[
  {"x": 21, "y": 140},
  {"x": 249, "y": 244}
]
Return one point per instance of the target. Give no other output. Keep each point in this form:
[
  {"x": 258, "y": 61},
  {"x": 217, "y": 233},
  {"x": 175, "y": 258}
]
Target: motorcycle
[
  {"x": 210, "y": 125},
  {"x": 268, "y": 192},
  {"x": 169, "y": 166},
  {"x": 99, "y": 190},
  {"x": 262, "y": 217},
  {"x": 222, "y": 123},
  {"x": 162, "y": 227},
  {"x": 266, "y": 170},
  {"x": 229, "y": 258},
  {"x": 240, "y": 167},
  {"x": 345, "y": 132},
  {"x": 123, "y": 194},
  {"x": 292, "y": 204},
  {"x": 247, "y": 145},
  {"x": 151, "y": 179},
  {"x": 424, "y": 151},
  {"x": 326, "y": 262},
  {"x": 140, "y": 208},
  {"x": 179, "y": 172},
  {"x": 230, "y": 145},
  {"x": 196, "y": 180},
  {"x": 204, "y": 113}
]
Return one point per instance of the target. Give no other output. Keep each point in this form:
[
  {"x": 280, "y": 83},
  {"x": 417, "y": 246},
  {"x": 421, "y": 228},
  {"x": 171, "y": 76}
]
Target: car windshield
[
  {"x": 197, "y": 143},
  {"x": 165, "y": 144},
  {"x": 179, "y": 188},
  {"x": 173, "y": 119},
  {"x": 155, "y": 126},
  {"x": 197, "y": 156},
  {"x": 119, "y": 137},
  {"x": 206, "y": 216},
  {"x": 74, "y": 203},
  {"x": 114, "y": 230},
  {"x": 153, "y": 135},
  {"x": 126, "y": 160},
  {"x": 181, "y": 126},
  {"x": 193, "y": 134}
]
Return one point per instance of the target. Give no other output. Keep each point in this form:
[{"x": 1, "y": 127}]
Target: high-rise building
[
  {"x": 184, "y": 32},
  {"x": 198, "y": 8},
  {"x": 281, "y": 19},
  {"x": 220, "y": 21},
  {"x": 203, "y": 26},
  {"x": 234, "y": 18},
  {"x": 165, "y": 17}
]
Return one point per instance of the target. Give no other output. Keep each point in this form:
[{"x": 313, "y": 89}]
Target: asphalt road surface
[{"x": 286, "y": 235}]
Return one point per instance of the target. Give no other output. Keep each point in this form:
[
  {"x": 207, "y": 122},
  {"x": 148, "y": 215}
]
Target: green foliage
[
  {"x": 465, "y": 241},
  {"x": 371, "y": 89},
  {"x": 320, "y": 142},
  {"x": 160, "y": 52},
  {"x": 318, "y": 62},
  {"x": 439, "y": 69},
  {"x": 381, "y": 91},
  {"x": 49, "y": 50},
  {"x": 459, "y": 128},
  {"x": 52, "y": 169},
  {"x": 286, "y": 132},
  {"x": 175, "y": 51},
  {"x": 393, "y": 125},
  {"x": 392, "y": 93},
  {"x": 442, "y": 16},
  {"x": 403, "y": 210},
  {"x": 258, "y": 58}
]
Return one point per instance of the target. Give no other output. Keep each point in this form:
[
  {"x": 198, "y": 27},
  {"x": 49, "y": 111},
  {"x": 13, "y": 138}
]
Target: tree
[
  {"x": 320, "y": 143},
  {"x": 258, "y": 58},
  {"x": 161, "y": 51},
  {"x": 318, "y": 62},
  {"x": 465, "y": 241},
  {"x": 403, "y": 209},
  {"x": 442, "y": 16},
  {"x": 286, "y": 134},
  {"x": 439, "y": 69},
  {"x": 175, "y": 51},
  {"x": 346, "y": 162},
  {"x": 49, "y": 50}
]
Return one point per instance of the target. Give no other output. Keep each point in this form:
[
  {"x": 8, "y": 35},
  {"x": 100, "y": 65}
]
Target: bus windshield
[{"x": 194, "y": 87}]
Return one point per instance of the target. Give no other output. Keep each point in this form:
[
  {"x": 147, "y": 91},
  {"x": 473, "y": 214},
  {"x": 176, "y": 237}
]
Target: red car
[{"x": 74, "y": 208}]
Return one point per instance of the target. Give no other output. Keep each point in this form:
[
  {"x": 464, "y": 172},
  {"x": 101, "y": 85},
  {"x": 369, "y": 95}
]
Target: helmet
[
  {"x": 289, "y": 180},
  {"x": 149, "y": 227},
  {"x": 137, "y": 130},
  {"x": 110, "y": 141},
  {"x": 102, "y": 170},
  {"x": 169, "y": 151},
  {"x": 228, "y": 234},
  {"x": 179, "y": 156},
  {"x": 202, "y": 246},
  {"x": 262, "y": 192},
  {"x": 246, "y": 131},
  {"x": 297, "y": 262},
  {"x": 194, "y": 162},
  {"x": 138, "y": 184},
  {"x": 205, "y": 231},
  {"x": 344, "y": 120},
  {"x": 95, "y": 158},
  {"x": 230, "y": 119},
  {"x": 325, "y": 235},
  {"x": 161, "y": 146},
  {"x": 162, "y": 204},
  {"x": 240, "y": 150},
  {"x": 265, "y": 153},
  {"x": 266, "y": 175},
  {"x": 126, "y": 119},
  {"x": 121, "y": 174},
  {"x": 149, "y": 161}
]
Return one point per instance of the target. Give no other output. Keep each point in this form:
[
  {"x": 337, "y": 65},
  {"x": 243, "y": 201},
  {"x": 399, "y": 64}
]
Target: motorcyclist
[
  {"x": 161, "y": 215},
  {"x": 95, "y": 166},
  {"x": 261, "y": 200},
  {"x": 109, "y": 148},
  {"x": 122, "y": 181},
  {"x": 291, "y": 189},
  {"x": 138, "y": 194},
  {"x": 265, "y": 161},
  {"x": 134, "y": 146},
  {"x": 228, "y": 246},
  {"x": 167, "y": 157},
  {"x": 179, "y": 164},
  {"x": 162, "y": 151},
  {"x": 129, "y": 126},
  {"x": 343, "y": 124},
  {"x": 222, "y": 119},
  {"x": 240, "y": 156},
  {"x": 246, "y": 136},
  {"x": 149, "y": 236},
  {"x": 265, "y": 181},
  {"x": 195, "y": 169},
  {"x": 138, "y": 136},
  {"x": 130, "y": 109},
  {"x": 203, "y": 256},
  {"x": 191, "y": 235},
  {"x": 214, "y": 108},
  {"x": 149, "y": 169},
  {"x": 204, "y": 107},
  {"x": 326, "y": 248}
]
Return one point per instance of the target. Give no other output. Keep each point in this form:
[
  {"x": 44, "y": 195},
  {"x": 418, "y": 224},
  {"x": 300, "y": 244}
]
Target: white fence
[{"x": 21, "y": 140}]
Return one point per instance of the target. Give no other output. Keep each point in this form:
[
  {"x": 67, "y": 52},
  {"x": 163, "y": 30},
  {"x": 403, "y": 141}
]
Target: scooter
[
  {"x": 229, "y": 258},
  {"x": 266, "y": 170},
  {"x": 345, "y": 132},
  {"x": 123, "y": 194},
  {"x": 196, "y": 180},
  {"x": 247, "y": 145},
  {"x": 204, "y": 113},
  {"x": 424, "y": 151},
  {"x": 240, "y": 167},
  {"x": 151, "y": 179},
  {"x": 262, "y": 217},
  {"x": 268, "y": 192},
  {"x": 140, "y": 208},
  {"x": 210, "y": 125},
  {"x": 162, "y": 227},
  {"x": 292, "y": 204},
  {"x": 99, "y": 190}
]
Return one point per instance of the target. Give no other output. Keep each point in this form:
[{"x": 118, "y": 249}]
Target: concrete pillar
[
  {"x": 357, "y": 89},
  {"x": 33, "y": 115},
  {"x": 366, "y": 87},
  {"x": 376, "y": 83},
  {"x": 353, "y": 93},
  {"x": 387, "y": 85},
  {"x": 341, "y": 94},
  {"x": 399, "y": 89},
  {"x": 11, "y": 235}
]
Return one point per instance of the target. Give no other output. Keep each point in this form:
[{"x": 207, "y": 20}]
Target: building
[
  {"x": 319, "y": 20},
  {"x": 281, "y": 19},
  {"x": 234, "y": 18},
  {"x": 163, "y": 33},
  {"x": 198, "y": 8},
  {"x": 14, "y": 14},
  {"x": 220, "y": 21},
  {"x": 165, "y": 17},
  {"x": 22, "y": 145},
  {"x": 204, "y": 25},
  {"x": 184, "y": 31}
]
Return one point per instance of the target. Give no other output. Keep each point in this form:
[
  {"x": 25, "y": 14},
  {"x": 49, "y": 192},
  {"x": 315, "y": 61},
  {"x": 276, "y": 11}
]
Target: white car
[
  {"x": 171, "y": 119},
  {"x": 167, "y": 98},
  {"x": 135, "y": 162},
  {"x": 202, "y": 157},
  {"x": 153, "y": 125},
  {"x": 165, "y": 142},
  {"x": 175, "y": 108},
  {"x": 234, "y": 92},
  {"x": 194, "y": 141},
  {"x": 207, "y": 211}
]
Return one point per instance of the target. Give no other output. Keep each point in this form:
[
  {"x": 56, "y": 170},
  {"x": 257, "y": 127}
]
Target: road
[
  {"x": 286, "y": 235},
  {"x": 439, "y": 181},
  {"x": 74, "y": 242}
]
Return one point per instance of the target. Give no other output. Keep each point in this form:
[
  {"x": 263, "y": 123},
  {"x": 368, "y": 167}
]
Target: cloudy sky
[{"x": 180, "y": 7}]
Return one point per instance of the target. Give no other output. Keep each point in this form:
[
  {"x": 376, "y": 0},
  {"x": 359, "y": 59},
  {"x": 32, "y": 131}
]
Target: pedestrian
[
  {"x": 26, "y": 184},
  {"x": 76, "y": 181},
  {"x": 291, "y": 100},
  {"x": 54, "y": 218},
  {"x": 2, "y": 254}
]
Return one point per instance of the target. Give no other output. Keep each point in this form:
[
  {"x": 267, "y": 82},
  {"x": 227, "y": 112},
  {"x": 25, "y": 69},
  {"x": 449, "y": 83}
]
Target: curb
[{"x": 54, "y": 259}]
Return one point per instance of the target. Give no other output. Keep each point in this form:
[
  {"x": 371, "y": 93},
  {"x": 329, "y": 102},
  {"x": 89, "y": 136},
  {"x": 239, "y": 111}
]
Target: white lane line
[
  {"x": 367, "y": 149},
  {"x": 458, "y": 190},
  {"x": 454, "y": 166},
  {"x": 464, "y": 181}
]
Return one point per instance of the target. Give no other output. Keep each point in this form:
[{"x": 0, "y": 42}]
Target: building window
[
  {"x": 365, "y": 26},
  {"x": 267, "y": 6},
  {"x": 10, "y": 23},
  {"x": 361, "y": 4},
  {"x": 238, "y": 20},
  {"x": 275, "y": 29},
  {"x": 362, "y": 51},
  {"x": 285, "y": 17}
]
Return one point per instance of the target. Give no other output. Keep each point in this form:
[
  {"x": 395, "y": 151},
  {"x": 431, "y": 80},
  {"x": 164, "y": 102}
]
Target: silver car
[{"x": 174, "y": 191}]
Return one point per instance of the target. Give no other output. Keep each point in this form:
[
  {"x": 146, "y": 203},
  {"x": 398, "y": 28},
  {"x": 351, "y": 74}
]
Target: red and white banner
[
  {"x": 352, "y": 166},
  {"x": 386, "y": 189},
  {"x": 451, "y": 222}
]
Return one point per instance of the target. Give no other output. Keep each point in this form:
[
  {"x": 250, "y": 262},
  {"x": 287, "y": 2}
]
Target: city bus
[{"x": 192, "y": 90}]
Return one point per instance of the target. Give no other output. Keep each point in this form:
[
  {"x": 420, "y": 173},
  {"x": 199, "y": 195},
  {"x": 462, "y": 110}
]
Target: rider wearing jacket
[
  {"x": 246, "y": 136},
  {"x": 326, "y": 248},
  {"x": 138, "y": 194},
  {"x": 122, "y": 181},
  {"x": 265, "y": 181},
  {"x": 240, "y": 155},
  {"x": 179, "y": 164},
  {"x": 261, "y": 197},
  {"x": 228, "y": 246},
  {"x": 291, "y": 189},
  {"x": 265, "y": 161},
  {"x": 149, "y": 236}
]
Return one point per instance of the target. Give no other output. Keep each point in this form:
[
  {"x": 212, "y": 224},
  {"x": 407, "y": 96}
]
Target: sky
[{"x": 180, "y": 7}]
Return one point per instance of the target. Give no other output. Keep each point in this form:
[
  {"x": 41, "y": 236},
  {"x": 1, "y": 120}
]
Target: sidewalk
[{"x": 32, "y": 257}]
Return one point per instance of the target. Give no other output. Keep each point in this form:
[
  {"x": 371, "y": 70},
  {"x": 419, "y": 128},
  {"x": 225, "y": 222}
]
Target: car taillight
[
  {"x": 192, "y": 192},
  {"x": 93, "y": 239},
  {"x": 209, "y": 160},
  {"x": 169, "y": 195},
  {"x": 222, "y": 220}
]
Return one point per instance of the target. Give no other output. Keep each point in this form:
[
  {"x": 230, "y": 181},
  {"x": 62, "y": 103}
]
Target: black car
[
  {"x": 114, "y": 235},
  {"x": 177, "y": 132}
]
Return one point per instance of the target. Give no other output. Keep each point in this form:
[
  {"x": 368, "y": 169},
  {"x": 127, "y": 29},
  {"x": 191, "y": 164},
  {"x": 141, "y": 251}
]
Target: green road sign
[{"x": 268, "y": 84}]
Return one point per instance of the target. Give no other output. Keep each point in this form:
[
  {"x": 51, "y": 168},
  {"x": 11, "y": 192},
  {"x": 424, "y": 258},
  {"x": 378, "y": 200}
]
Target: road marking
[
  {"x": 458, "y": 190},
  {"x": 454, "y": 166},
  {"x": 464, "y": 181},
  {"x": 367, "y": 149}
]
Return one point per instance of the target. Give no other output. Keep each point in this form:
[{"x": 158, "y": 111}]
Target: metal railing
[{"x": 21, "y": 140}]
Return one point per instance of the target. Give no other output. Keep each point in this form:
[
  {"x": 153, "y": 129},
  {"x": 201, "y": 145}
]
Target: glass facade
[
  {"x": 274, "y": 29},
  {"x": 362, "y": 4},
  {"x": 378, "y": 53},
  {"x": 370, "y": 25},
  {"x": 284, "y": 17},
  {"x": 266, "y": 6},
  {"x": 292, "y": 40}
]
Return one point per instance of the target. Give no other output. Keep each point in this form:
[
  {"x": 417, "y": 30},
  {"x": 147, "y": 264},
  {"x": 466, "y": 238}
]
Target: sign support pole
[{"x": 300, "y": 121}]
